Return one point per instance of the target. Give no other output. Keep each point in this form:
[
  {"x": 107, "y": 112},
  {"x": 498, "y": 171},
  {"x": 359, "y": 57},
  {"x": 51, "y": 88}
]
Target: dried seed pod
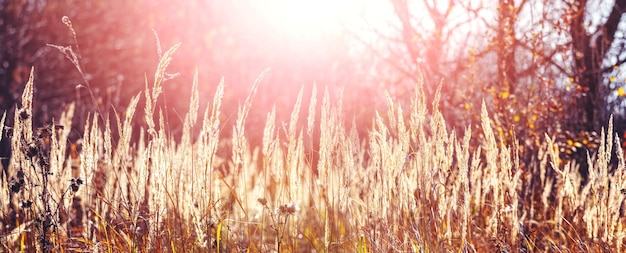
[
  {"x": 74, "y": 187},
  {"x": 75, "y": 183},
  {"x": 32, "y": 150},
  {"x": 24, "y": 114},
  {"x": 263, "y": 201},
  {"x": 27, "y": 203},
  {"x": 15, "y": 187}
]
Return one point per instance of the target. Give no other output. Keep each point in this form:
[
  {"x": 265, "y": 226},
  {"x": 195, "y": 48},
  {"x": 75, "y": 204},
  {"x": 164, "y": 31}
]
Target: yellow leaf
[
  {"x": 505, "y": 94},
  {"x": 612, "y": 79},
  {"x": 467, "y": 106},
  {"x": 516, "y": 118},
  {"x": 621, "y": 92}
]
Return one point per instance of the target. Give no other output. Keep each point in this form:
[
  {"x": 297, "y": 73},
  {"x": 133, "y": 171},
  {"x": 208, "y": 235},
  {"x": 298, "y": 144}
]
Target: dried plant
[{"x": 410, "y": 185}]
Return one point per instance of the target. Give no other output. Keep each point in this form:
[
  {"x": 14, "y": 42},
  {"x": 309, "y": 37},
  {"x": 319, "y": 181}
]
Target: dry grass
[{"x": 410, "y": 186}]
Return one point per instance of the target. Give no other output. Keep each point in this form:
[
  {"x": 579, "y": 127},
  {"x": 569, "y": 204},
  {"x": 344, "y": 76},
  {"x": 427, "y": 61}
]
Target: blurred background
[{"x": 540, "y": 66}]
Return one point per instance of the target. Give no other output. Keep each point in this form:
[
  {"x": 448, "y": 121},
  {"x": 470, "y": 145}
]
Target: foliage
[{"x": 543, "y": 66}]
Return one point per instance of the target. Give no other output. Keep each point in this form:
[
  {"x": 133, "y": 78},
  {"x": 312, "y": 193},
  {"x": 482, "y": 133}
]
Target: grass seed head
[{"x": 263, "y": 201}]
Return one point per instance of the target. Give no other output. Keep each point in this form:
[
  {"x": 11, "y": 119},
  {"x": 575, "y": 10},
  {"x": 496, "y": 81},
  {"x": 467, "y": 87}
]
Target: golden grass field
[{"x": 411, "y": 185}]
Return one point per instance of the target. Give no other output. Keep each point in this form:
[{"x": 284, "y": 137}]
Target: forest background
[{"x": 542, "y": 67}]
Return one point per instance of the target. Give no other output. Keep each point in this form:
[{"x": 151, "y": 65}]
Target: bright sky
[
  {"x": 302, "y": 37},
  {"x": 314, "y": 18}
]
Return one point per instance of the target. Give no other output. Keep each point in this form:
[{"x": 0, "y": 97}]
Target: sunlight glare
[{"x": 306, "y": 19}]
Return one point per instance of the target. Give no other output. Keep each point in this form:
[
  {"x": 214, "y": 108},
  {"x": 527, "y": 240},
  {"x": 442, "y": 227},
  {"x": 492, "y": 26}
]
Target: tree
[
  {"x": 541, "y": 65},
  {"x": 595, "y": 50}
]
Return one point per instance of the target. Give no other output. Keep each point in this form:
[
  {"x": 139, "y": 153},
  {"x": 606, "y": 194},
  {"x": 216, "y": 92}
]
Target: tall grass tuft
[{"x": 313, "y": 185}]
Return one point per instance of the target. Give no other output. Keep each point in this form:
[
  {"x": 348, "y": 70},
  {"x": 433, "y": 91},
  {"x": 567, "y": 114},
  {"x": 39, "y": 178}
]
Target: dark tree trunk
[
  {"x": 505, "y": 39},
  {"x": 589, "y": 51}
]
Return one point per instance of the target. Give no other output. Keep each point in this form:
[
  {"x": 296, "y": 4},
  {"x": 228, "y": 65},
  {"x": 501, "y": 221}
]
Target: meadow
[{"x": 313, "y": 185}]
